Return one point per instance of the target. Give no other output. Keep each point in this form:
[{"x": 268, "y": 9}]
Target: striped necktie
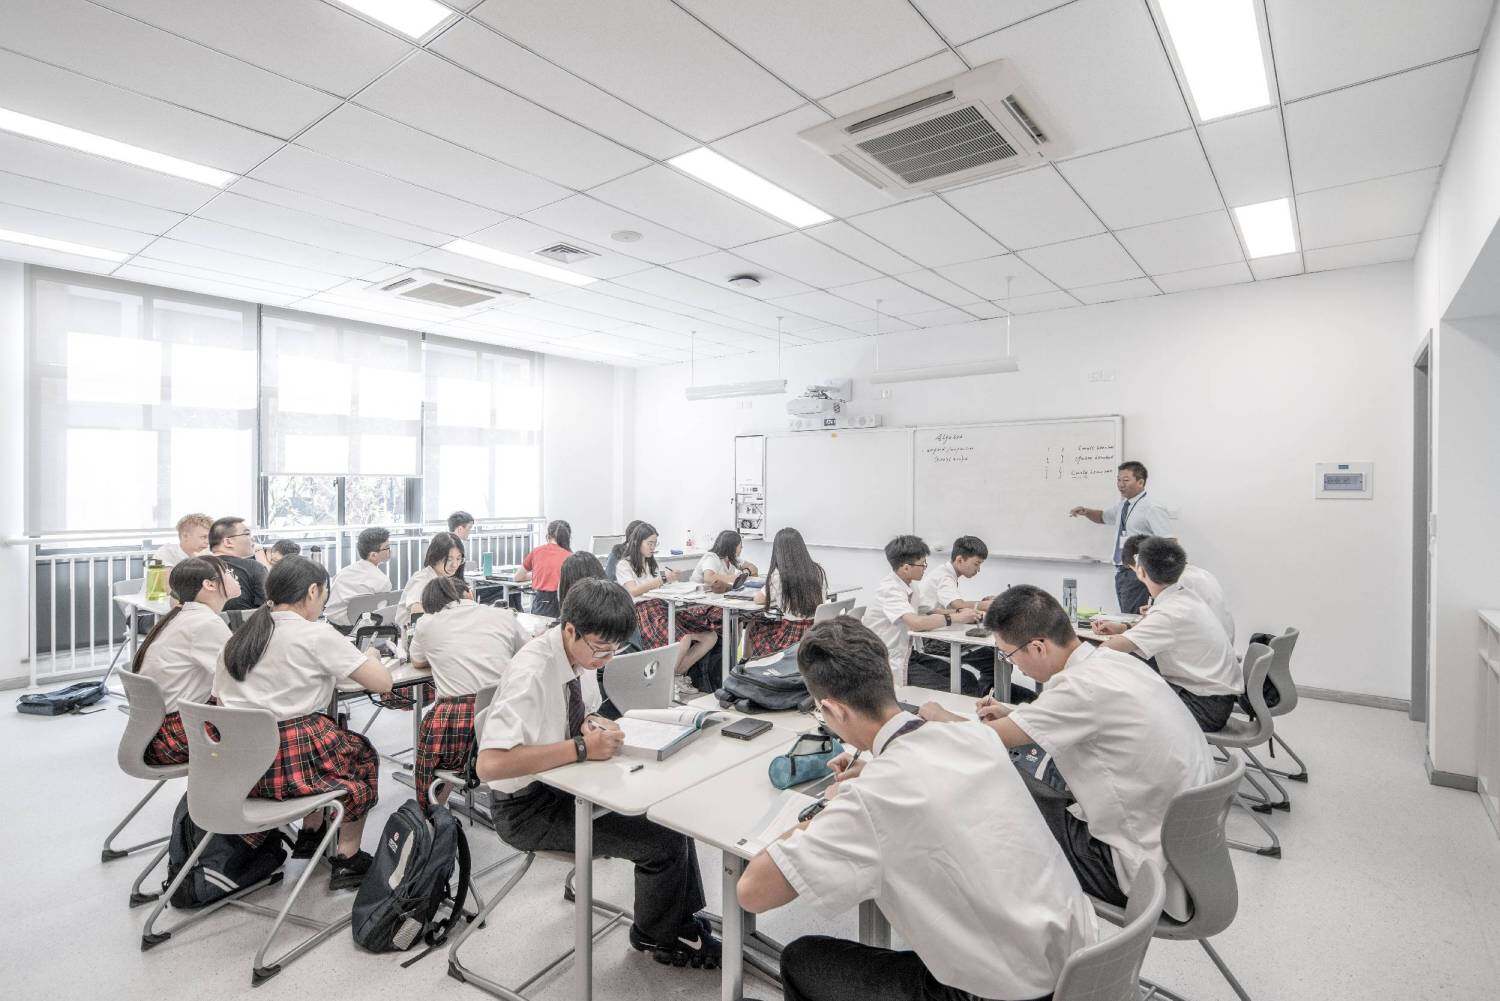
[{"x": 575, "y": 707}]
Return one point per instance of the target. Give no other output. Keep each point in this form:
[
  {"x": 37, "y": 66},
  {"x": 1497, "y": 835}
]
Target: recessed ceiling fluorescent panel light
[
  {"x": 62, "y": 135},
  {"x": 732, "y": 179},
  {"x": 1267, "y": 227},
  {"x": 767, "y": 387},
  {"x": 413, "y": 18},
  {"x": 1219, "y": 49},
  {"x": 514, "y": 261},
  {"x": 63, "y": 246}
]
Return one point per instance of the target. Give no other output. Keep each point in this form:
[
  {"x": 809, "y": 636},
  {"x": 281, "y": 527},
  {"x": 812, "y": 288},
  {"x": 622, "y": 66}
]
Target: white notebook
[{"x": 661, "y": 733}]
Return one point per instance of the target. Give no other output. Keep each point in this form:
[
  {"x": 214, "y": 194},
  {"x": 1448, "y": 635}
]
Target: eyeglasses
[
  {"x": 604, "y": 654},
  {"x": 1007, "y": 656},
  {"x": 239, "y": 535},
  {"x": 923, "y": 564}
]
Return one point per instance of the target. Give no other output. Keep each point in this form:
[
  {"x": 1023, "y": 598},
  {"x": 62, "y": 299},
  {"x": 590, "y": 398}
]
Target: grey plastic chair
[
  {"x": 1110, "y": 970},
  {"x": 832, "y": 610},
  {"x": 1192, "y": 838},
  {"x": 147, "y": 708},
  {"x": 221, "y": 773},
  {"x": 1242, "y": 734},
  {"x": 1281, "y": 676}
]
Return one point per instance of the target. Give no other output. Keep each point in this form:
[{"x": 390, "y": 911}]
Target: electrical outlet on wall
[
  {"x": 745, "y": 405},
  {"x": 885, "y": 394},
  {"x": 1102, "y": 375}
]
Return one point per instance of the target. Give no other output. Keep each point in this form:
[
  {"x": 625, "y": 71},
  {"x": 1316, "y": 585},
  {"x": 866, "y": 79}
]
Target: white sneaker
[{"x": 684, "y": 690}]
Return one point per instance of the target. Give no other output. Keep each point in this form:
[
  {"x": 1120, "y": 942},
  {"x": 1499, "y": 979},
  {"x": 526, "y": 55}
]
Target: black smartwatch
[
  {"x": 581, "y": 747},
  {"x": 947, "y": 618}
]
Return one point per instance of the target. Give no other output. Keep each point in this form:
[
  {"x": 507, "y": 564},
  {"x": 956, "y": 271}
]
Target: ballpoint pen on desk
[{"x": 813, "y": 809}]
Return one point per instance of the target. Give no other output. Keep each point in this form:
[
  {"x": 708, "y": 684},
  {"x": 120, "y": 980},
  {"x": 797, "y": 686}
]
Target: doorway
[{"x": 1421, "y": 527}]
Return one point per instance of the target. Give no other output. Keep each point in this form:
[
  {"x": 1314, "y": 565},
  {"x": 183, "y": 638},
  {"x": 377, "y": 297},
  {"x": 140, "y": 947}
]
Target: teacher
[{"x": 1135, "y": 513}]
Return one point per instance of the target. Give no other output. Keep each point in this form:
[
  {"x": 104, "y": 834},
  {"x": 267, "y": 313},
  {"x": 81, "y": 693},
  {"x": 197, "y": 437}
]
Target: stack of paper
[
  {"x": 660, "y": 733},
  {"x": 782, "y": 817}
]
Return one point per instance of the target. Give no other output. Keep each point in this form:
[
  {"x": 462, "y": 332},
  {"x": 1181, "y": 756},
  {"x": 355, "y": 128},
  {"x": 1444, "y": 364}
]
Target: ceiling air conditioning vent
[
  {"x": 974, "y": 125},
  {"x": 443, "y": 290},
  {"x": 566, "y": 254}
]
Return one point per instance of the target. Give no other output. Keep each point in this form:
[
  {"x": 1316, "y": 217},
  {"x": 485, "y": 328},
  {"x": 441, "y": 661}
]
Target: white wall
[
  {"x": 583, "y": 450},
  {"x": 13, "y": 561},
  {"x": 1229, "y": 396}
]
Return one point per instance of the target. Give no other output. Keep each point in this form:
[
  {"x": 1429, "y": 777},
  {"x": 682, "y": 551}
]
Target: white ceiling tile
[
  {"x": 1369, "y": 210},
  {"x": 566, "y": 315},
  {"x": 1333, "y": 43},
  {"x": 273, "y": 248},
  {"x": 1028, "y": 209},
  {"x": 686, "y": 289},
  {"x": 803, "y": 258},
  {"x": 608, "y": 303},
  {"x": 772, "y": 150},
  {"x": 829, "y": 308},
  {"x": 676, "y": 200},
  {"x": 590, "y": 219},
  {"x": 823, "y": 47},
  {"x": 61, "y": 227},
  {"x": 484, "y": 272},
  {"x": 48, "y": 197},
  {"x": 1097, "y": 70},
  {"x": 1162, "y": 178},
  {"x": 656, "y": 336},
  {"x": 240, "y": 265},
  {"x": 529, "y": 75},
  {"x": 312, "y": 205},
  {"x": 57, "y": 95},
  {"x": 885, "y": 325},
  {"x": 939, "y": 287},
  {"x": 438, "y": 97},
  {"x": 317, "y": 43},
  {"x": 54, "y": 259},
  {"x": 894, "y": 84},
  {"x": 1352, "y": 255},
  {"x": 226, "y": 287},
  {"x": 1195, "y": 242},
  {"x": 1092, "y": 260},
  {"x": 292, "y": 224},
  {"x": 388, "y": 147},
  {"x": 987, "y": 278},
  {"x": 717, "y": 268},
  {"x": 210, "y": 276},
  {"x": 1248, "y": 156},
  {"x": 127, "y": 53},
  {"x": 44, "y": 161},
  {"x": 861, "y": 246},
  {"x": 1135, "y": 288},
  {"x": 890, "y": 296},
  {"x": 947, "y": 317},
  {"x": 929, "y": 231},
  {"x": 652, "y": 54},
  {"x": 987, "y": 310},
  {"x": 963, "y": 21},
  {"x": 525, "y": 238},
  {"x": 1042, "y": 303},
  {"x": 1391, "y": 126},
  {"x": 1280, "y": 266},
  {"x": 1210, "y": 277}
]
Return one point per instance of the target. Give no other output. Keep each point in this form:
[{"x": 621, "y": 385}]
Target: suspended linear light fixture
[
  {"x": 996, "y": 366},
  {"x": 726, "y": 390}
]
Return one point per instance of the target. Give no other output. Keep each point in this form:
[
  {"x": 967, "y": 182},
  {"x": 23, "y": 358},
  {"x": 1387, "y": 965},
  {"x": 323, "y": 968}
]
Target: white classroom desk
[
  {"x": 131, "y": 606},
  {"x": 957, "y": 637},
  {"x": 477, "y": 579},
  {"x": 731, "y": 607}
]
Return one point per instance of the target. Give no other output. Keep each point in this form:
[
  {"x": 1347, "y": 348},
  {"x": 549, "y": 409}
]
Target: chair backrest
[
  {"x": 360, "y": 604},
  {"x": 642, "y": 680},
  {"x": 235, "y": 617},
  {"x": 600, "y": 545},
  {"x": 1257, "y": 663},
  {"x": 483, "y": 698},
  {"x": 1192, "y": 838},
  {"x": 832, "y": 610},
  {"x": 857, "y": 612},
  {"x": 1281, "y": 671},
  {"x": 147, "y": 708},
  {"x": 130, "y": 585},
  {"x": 223, "y": 769},
  {"x": 1110, "y": 970},
  {"x": 385, "y": 615}
]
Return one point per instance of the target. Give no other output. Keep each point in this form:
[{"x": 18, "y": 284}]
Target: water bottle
[
  {"x": 688, "y": 545},
  {"x": 156, "y": 580},
  {"x": 1070, "y": 598}
]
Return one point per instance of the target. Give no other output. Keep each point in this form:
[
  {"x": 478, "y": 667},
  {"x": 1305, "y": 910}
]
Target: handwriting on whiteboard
[
  {"x": 1057, "y": 462},
  {"x": 950, "y": 447}
]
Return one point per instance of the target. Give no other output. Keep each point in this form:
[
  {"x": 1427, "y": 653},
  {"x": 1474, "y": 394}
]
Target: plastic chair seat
[
  {"x": 268, "y": 814},
  {"x": 1167, "y": 927},
  {"x": 1238, "y": 732}
]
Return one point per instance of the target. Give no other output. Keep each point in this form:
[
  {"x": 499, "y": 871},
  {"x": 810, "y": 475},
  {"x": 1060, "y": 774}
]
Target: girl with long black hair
[
  {"x": 444, "y": 558},
  {"x": 697, "y": 625},
  {"x": 795, "y": 587}
]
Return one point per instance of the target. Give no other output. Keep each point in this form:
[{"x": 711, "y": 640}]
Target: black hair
[
  {"x": 561, "y": 532},
  {"x": 1162, "y": 559},
  {"x": 905, "y": 549},
  {"x": 286, "y": 547},
  {"x": 222, "y": 529},
  {"x": 458, "y": 519},
  {"x": 1024, "y": 613},
  {"x": 370, "y": 541},
  {"x": 438, "y": 549},
  {"x": 185, "y": 581},
  {"x": 802, "y": 580},
  {"x": 599, "y": 608},
  {"x": 441, "y": 592},
  {"x": 843, "y": 659},
  {"x": 638, "y": 535},
  {"x": 1136, "y": 468},
  {"x": 618, "y": 552},
  {"x": 579, "y": 566},
  {"x": 970, "y": 545},
  {"x": 725, "y": 545},
  {"x": 286, "y": 584},
  {"x": 1130, "y": 547}
]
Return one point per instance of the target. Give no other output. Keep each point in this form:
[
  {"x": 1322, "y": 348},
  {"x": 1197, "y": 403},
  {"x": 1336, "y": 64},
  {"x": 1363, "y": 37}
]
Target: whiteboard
[
  {"x": 1013, "y": 484},
  {"x": 840, "y": 488}
]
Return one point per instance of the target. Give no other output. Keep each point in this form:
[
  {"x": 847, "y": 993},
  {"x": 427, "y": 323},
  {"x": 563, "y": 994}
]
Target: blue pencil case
[{"x": 807, "y": 760}]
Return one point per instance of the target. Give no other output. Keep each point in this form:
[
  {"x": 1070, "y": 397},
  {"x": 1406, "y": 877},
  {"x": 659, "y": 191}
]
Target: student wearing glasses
[
  {"x": 231, "y": 540},
  {"x": 894, "y": 614},
  {"x": 445, "y": 557},
  {"x": 697, "y": 625},
  {"x": 366, "y": 575}
]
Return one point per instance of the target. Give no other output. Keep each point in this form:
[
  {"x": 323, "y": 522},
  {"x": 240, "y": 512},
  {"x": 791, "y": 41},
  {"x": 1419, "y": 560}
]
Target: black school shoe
[
  {"x": 307, "y": 842},
  {"x": 348, "y": 872},
  {"x": 696, "y": 946}
]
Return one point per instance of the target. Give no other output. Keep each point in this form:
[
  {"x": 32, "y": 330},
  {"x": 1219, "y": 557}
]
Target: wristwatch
[
  {"x": 582, "y": 748},
  {"x": 947, "y": 618}
]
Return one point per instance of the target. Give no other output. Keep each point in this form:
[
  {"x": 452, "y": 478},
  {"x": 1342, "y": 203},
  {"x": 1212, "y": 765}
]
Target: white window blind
[{"x": 142, "y": 404}]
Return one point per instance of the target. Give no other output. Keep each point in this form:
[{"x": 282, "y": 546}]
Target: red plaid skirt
[
  {"x": 764, "y": 637},
  {"x": 169, "y": 746},
  {"x": 651, "y": 616},
  {"x": 445, "y": 741},
  {"x": 317, "y": 756}
]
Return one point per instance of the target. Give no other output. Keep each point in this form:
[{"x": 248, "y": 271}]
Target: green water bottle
[{"x": 156, "y": 580}]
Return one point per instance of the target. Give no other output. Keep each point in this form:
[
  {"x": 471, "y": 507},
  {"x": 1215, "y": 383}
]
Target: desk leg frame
[
  {"x": 873, "y": 927},
  {"x": 955, "y": 668},
  {"x": 583, "y": 897}
]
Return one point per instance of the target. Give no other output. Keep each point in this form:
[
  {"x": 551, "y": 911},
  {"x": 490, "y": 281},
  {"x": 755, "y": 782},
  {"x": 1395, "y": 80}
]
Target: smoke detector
[
  {"x": 745, "y": 281},
  {"x": 436, "y": 289}
]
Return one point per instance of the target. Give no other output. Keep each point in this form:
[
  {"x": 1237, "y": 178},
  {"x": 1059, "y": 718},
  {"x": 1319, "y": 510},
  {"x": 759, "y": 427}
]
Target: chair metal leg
[
  {"x": 1285, "y": 803},
  {"x": 151, "y": 938},
  {"x": 1156, "y": 990},
  {"x": 1298, "y": 776},
  {"x": 1273, "y": 850},
  {"x": 373, "y": 717},
  {"x": 261, "y": 970},
  {"x": 109, "y": 853},
  {"x": 136, "y": 896}
]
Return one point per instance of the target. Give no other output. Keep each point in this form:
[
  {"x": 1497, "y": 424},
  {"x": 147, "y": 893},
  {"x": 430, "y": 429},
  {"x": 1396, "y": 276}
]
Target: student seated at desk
[
  {"x": 364, "y": 576},
  {"x": 1124, "y": 744},
  {"x": 538, "y": 722},
  {"x": 192, "y": 540},
  {"x": 181, "y": 650},
  {"x": 285, "y": 660},
  {"x": 938, "y": 829},
  {"x": 231, "y": 540},
  {"x": 467, "y": 647},
  {"x": 280, "y": 550},
  {"x": 795, "y": 587},
  {"x": 893, "y": 614},
  {"x": 939, "y": 590},
  {"x": 543, "y": 565},
  {"x": 1195, "y": 579},
  {"x": 721, "y": 566},
  {"x": 445, "y": 556},
  {"x": 460, "y": 524},
  {"x": 618, "y": 550},
  {"x": 1182, "y": 636},
  {"x": 697, "y": 625},
  {"x": 586, "y": 566}
]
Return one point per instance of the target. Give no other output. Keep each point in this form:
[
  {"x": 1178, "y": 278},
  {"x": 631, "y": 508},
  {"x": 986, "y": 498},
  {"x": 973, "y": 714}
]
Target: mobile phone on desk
[{"x": 747, "y": 728}]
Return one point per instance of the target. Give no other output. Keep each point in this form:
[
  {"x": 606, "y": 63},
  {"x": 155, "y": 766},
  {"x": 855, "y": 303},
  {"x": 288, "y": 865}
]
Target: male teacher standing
[{"x": 1136, "y": 512}]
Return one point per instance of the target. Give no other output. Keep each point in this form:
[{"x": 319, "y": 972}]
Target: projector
[{"x": 824, "y": 399}]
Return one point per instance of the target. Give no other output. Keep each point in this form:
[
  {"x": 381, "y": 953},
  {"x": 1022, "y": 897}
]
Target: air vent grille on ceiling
[
  {"x": 442, "y": 290},
  {"x": 566, "y": 254},
  {"x": 940, "y": 146}
]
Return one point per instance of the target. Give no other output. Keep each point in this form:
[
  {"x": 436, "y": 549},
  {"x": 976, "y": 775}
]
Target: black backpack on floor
[
  {"x": 228, "y": 864},
  {"x": 772, "y": 687},
  {"x": 410, "y": 880},
  {"x": 62, "y": 701}
]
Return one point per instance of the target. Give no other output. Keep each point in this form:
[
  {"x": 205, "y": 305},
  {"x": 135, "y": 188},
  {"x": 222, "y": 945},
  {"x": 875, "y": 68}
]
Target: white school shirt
[
  {"x": 467, "y": 646},
  {"x": 181, "y": 658},
  {"x": 412, "y": 593},
  {"x": 531, "y": 705},
  {"x": 1145, "y": 516},
  {"x": 940, "y": 831},
  {"x": 712, "y": 564},
  {"x": 1126, "y": 745},
  {"x": 625, "y": 575},
  {"x": 940, "y": 585},
  {"x": 170, "y": 555},
  {"x": 297, "y": 674},
  {"x": 775, "y": 599},
  {"x": 893, "y": 599},
  {"x": 1190, "y": 646},
  {"x": 354, "y": 581},
  {"x": 1206, "y": 586}
]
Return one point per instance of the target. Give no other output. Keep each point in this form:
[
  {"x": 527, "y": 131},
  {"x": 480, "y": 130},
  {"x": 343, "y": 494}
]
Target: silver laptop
[{"x": 642, "y": 680}]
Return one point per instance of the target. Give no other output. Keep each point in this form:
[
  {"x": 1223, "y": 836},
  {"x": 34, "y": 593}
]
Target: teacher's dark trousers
[{"x": 1131, "y": 592}]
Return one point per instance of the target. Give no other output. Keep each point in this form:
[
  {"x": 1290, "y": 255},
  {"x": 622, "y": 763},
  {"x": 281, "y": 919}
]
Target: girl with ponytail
[
  {"x": 180, "y": 652},
  {"x": 543, "y": 565},
  {"x": 795, "y": 587},
  {"x": 445, "y": 558},
  {"x": 697, "y": 625},
  {"x": 287, "y": 661}
]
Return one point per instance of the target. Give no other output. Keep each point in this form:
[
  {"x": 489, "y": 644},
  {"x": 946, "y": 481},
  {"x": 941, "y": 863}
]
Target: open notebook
[{"x": 661, "y": 733}]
